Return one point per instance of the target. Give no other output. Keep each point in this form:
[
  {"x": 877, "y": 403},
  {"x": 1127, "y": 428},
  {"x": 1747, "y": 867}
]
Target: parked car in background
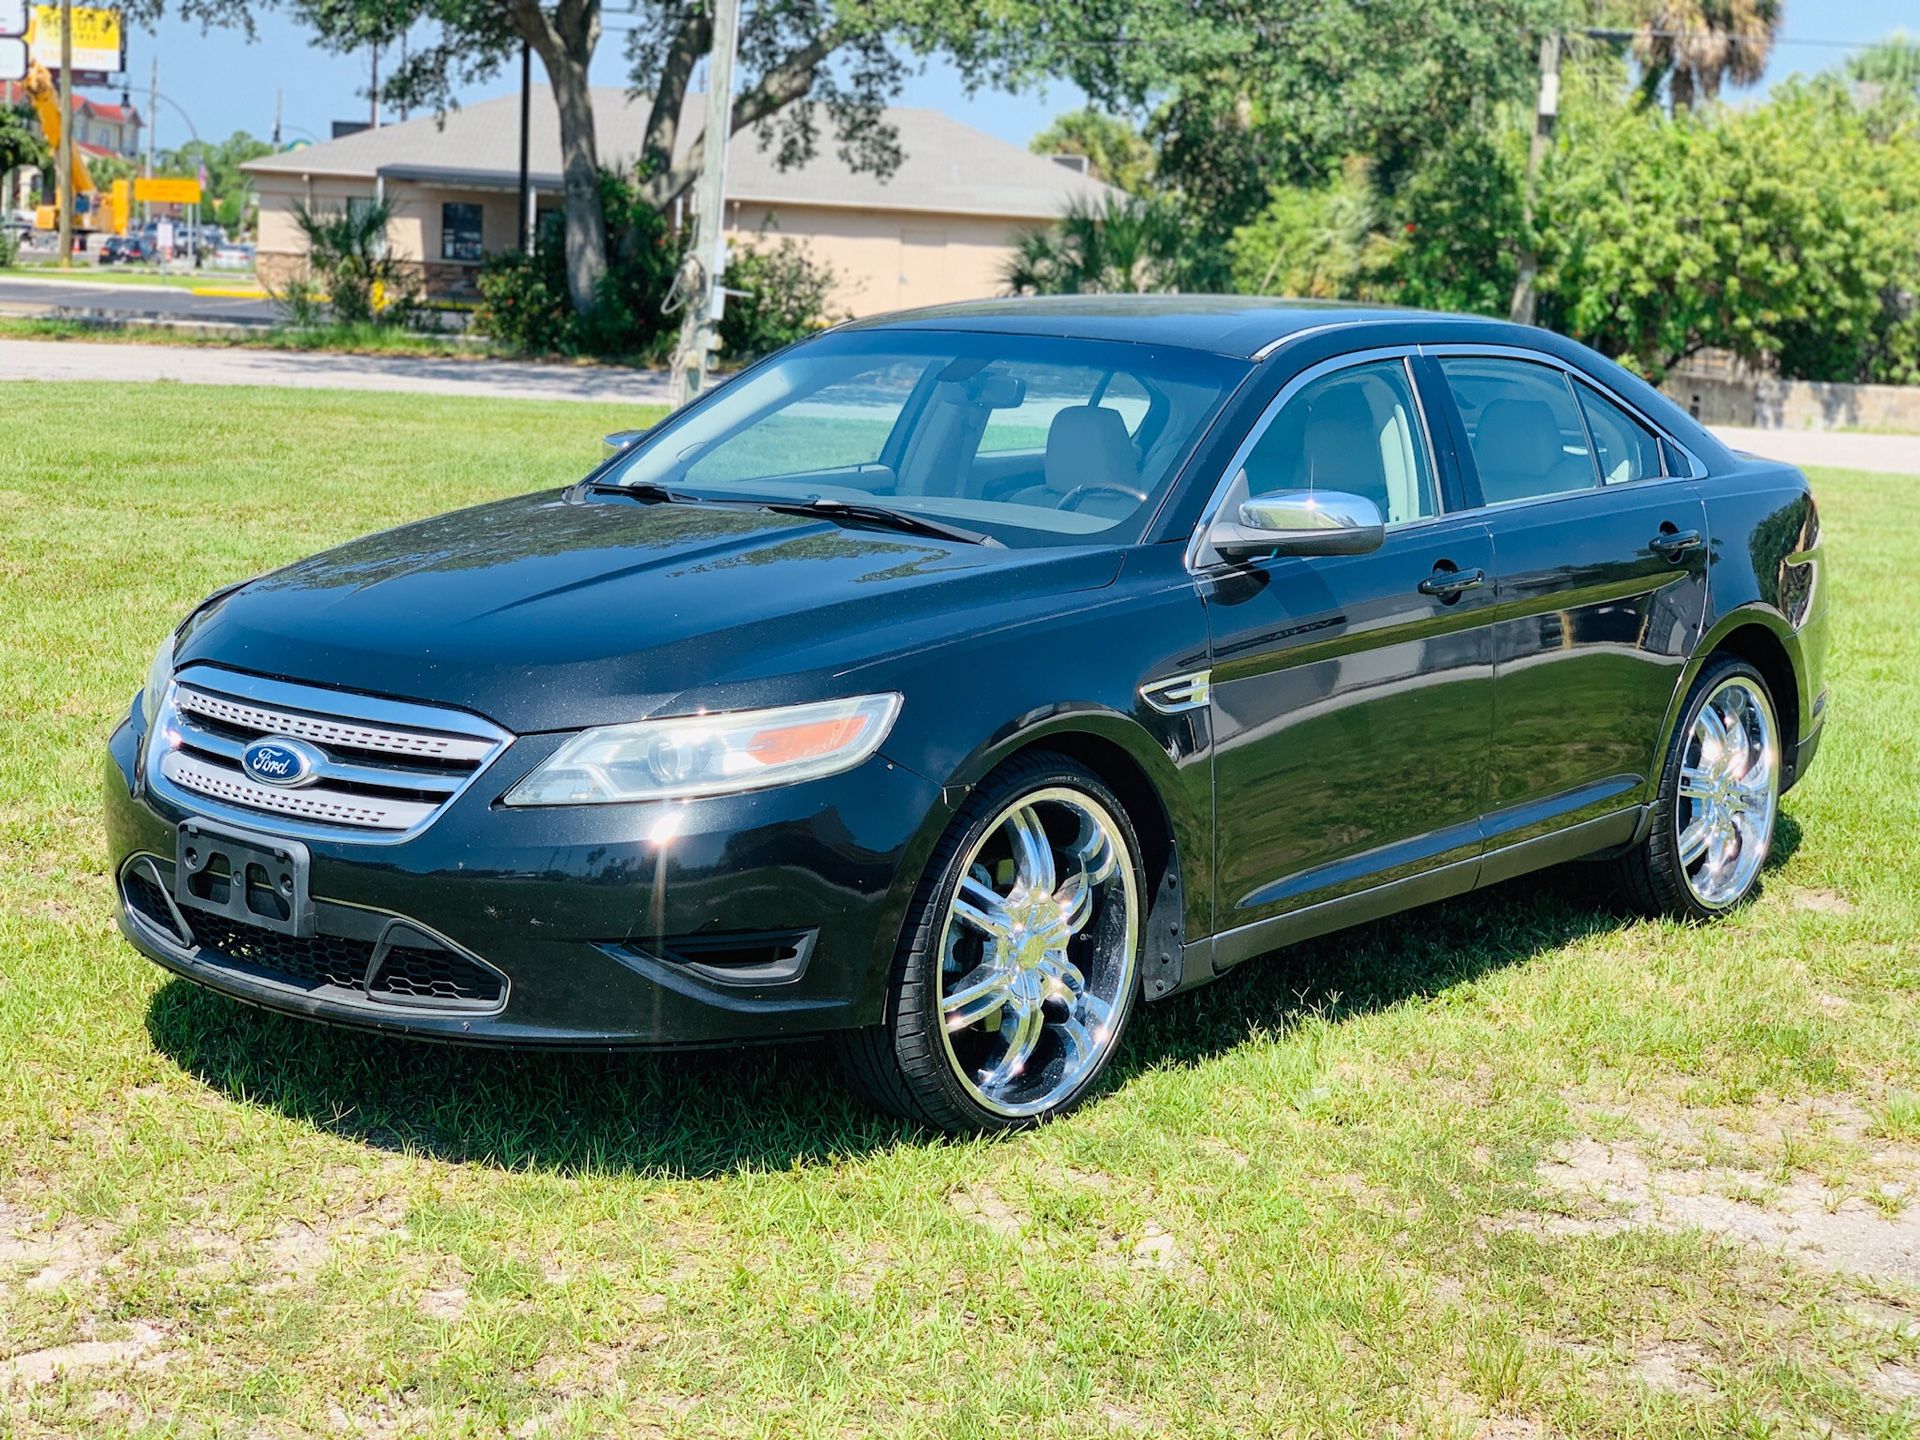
[
  {"x": 232, "y": 257},
  {"x": 124, "y": 250},
  {"x": 955, "y": 682}
]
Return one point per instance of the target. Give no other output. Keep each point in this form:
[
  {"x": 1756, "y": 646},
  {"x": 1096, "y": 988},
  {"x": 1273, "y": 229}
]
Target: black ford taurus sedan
[{"x": 955, "y": 682}]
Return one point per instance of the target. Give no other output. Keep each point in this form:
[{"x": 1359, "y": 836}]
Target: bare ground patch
[
  {"x": 142, "y": 1345},
  {"x": 1609, "y": 1188}
]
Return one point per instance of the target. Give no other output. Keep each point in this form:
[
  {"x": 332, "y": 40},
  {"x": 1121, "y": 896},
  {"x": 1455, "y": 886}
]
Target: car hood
[{"x": 546, "y": 613}]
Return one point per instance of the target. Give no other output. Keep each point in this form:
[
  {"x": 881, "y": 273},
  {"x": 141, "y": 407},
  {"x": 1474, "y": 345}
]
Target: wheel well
[
  {"x": 1761, "y": 648},
  {"x": 1122, "y": 775}
]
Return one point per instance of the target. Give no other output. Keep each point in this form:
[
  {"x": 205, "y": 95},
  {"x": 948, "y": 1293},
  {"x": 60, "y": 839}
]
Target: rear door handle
[
  {"x": 1448, "y": 584},
  {"x": 1672, "y": 544}
]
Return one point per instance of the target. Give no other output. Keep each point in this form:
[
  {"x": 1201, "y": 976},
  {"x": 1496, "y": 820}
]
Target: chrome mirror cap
[
  {"x": 1301, "y": 522},
  {"x": 621, "y": 441}
]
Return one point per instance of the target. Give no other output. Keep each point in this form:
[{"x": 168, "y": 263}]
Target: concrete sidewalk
[
  {"x": 196, "y": 365},
  {"x": 1836, "y": 449}
]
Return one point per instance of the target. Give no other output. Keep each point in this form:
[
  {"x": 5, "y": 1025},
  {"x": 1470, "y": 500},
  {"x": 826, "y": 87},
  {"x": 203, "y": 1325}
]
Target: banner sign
[
  {"x": 160, "y": 190},
  {"x": 99, "y": 40}
]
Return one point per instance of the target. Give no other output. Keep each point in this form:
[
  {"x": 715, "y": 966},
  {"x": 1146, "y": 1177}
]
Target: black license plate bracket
[{"x": 254, "y": 879}]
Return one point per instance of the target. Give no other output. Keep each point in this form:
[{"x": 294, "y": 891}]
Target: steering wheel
[{"x": 1072, "y": 498}]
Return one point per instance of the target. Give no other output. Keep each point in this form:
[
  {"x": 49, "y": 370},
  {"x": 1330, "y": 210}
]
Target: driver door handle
[
  {"x": 1672, "y": 544},
  {"x": 1447, "y": 584}
]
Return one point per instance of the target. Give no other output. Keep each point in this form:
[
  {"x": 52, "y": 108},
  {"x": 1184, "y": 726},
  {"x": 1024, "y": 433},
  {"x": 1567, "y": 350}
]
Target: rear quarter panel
[{"x": 1768, "y": 567}]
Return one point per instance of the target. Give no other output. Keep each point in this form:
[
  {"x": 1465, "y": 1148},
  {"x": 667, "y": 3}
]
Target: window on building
[{"x": 460, "y": 234}]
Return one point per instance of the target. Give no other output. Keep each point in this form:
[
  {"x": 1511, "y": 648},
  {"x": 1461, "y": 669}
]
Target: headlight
[
  {"x": 159, "y": 673},
  {"x": 716, "y": 754}
]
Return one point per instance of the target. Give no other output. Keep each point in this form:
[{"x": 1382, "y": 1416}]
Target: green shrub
[
  {"x": 785, "y": 298},
  {"x": 9, "y": 248},
  {"x": 524, "y": 302},
  {"x": 347, "y": 252}
]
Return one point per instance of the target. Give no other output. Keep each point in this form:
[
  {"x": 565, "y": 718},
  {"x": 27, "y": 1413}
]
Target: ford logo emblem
[{"x": 277, "y": 760}]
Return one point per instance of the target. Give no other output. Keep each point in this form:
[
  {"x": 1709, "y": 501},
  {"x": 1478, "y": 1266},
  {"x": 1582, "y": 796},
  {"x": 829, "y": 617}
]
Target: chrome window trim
[
  {"x": 1196, "y": 542},
  {"x": 1574, "y": 375},
  {"x": 323, "y": 703}
]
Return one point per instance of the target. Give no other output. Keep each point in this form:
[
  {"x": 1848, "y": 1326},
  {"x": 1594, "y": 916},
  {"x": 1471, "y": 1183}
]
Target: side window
[
  {"x": 1625, "y": 448},
  {"x": 1356, "y": 430},
  {"x": 1523, "y": 428}
]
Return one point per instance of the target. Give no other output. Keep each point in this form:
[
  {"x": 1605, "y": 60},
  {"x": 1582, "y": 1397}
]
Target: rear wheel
[
  {"x": 1718, "y": 798},
  {"x": 1019, "y": 965}
]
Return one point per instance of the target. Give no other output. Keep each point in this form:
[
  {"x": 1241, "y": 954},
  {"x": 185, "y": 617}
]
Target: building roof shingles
[{"x": 947, "y": 167}]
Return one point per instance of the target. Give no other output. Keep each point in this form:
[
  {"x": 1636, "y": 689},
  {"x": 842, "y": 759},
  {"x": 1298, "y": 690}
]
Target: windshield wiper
[
  {"x": 880, "y": 515},
  {"x": 642, "y": 490}
]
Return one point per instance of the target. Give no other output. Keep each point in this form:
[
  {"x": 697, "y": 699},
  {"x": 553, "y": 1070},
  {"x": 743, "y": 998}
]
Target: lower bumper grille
[{"x": 414, "y": 975}]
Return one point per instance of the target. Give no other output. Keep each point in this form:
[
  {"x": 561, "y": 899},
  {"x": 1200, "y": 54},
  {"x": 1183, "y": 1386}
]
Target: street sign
[
  {"x": 159, "y": 190},
  {"x": 13, "y": 58},
  {"x": 13, "y": 17},
  {"x": 99, "y": 40}
]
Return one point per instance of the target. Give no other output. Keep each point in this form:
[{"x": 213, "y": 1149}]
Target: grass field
[{"x": 1513, "y": 1166}]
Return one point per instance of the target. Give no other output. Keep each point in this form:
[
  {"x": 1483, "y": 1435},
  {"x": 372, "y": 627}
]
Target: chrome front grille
[{"x": 387, "y": 767}]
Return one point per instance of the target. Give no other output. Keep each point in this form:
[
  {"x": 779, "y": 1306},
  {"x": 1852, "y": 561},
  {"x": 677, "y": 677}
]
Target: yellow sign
[
  {"x": 161, "y": 190},
  {"x": 99, "y": 41}
]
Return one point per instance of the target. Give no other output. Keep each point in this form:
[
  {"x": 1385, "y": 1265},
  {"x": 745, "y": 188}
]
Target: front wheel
[
  {"x": 1019, "y": 965},
  {"x": 1718, "y": 798}
]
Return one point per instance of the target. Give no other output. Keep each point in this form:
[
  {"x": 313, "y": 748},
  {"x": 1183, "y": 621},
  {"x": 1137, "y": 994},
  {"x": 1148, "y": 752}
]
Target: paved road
[
  {"x": 35, "y": 295},
  {"x": 82, "y": 360},
  {"x": 190, "y": 365},
  {"x": 1840, "y": 450}
]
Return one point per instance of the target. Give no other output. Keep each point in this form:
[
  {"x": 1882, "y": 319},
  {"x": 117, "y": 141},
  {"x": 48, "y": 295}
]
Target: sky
[{"x": 218, "y": 82}]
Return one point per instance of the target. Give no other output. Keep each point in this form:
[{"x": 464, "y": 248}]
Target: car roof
[{"x": 1243, "y": 326}]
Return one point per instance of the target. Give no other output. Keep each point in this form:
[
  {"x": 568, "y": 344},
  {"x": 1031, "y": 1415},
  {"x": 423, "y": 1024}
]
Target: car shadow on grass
[{"x": 702, "y": 1114}]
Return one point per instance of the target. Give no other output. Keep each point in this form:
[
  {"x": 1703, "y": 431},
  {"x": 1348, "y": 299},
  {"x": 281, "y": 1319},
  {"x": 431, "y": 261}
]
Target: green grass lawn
[{"x": 1512, "y": 1166}]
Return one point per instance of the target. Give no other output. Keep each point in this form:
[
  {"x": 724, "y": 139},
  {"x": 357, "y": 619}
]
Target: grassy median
[{"x": 1512, "y": 1166}]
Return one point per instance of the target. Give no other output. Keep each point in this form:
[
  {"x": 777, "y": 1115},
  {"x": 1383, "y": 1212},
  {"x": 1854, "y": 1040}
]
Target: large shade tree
[
  {"x": 844, "y": 57},
  {"x": 1248, "y": 94}
]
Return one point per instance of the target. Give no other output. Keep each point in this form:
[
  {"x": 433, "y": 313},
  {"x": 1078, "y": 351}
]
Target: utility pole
[
  {"x": 699, "y": 281},
  {"x": 526, "y": 132},
  {"x": 1525, "y": 297},
  {"x": 153, "y": 111},
  {"x": 278, "y": 97},
  {"x": 66, "y": 134},
  {"x": 373, "y": 90}
]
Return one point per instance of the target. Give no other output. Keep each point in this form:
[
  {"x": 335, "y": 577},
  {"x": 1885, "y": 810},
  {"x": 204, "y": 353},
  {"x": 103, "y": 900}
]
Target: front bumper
[{"x": 763, "y": 916}]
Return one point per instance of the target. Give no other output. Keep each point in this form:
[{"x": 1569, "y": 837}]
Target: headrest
[
  {"x": 1342, "y": 444},
  {"x": 1522, "y": 433},
  {"x": 1088, "y": 445}
]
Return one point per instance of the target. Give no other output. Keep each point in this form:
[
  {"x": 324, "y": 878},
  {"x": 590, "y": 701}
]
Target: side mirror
[
  {"x": 621, "y": 441},
  {"x": 1300, "y": 522}
]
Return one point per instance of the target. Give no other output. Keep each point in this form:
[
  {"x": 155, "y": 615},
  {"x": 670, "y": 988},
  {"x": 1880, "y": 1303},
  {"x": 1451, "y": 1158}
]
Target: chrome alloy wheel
[
  {"x": 1729, "y": 793},
  {"x": 1037, "y": 951}
]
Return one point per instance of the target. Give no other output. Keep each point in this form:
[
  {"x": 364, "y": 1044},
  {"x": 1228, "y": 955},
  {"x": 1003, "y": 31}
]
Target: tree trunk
[{"x": 565, "y": 41}]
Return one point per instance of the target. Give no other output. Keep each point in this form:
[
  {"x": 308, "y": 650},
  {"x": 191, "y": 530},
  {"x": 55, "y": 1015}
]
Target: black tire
[
  {"x": 1651, "y": 876},
  {"x": 902, "y": 1066}
]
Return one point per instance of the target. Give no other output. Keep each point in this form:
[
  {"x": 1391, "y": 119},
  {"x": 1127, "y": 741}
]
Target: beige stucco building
[{"x": 940, "y": 228}]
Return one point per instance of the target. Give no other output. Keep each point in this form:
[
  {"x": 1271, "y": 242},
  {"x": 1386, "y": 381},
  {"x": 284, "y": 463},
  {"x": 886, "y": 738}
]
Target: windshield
[{"x": 1030, "y": 439}]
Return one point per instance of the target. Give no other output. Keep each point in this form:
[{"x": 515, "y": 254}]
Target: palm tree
[
  {"x": 1124, "y": 245},
  {"x": 1697, "y": 45}
]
